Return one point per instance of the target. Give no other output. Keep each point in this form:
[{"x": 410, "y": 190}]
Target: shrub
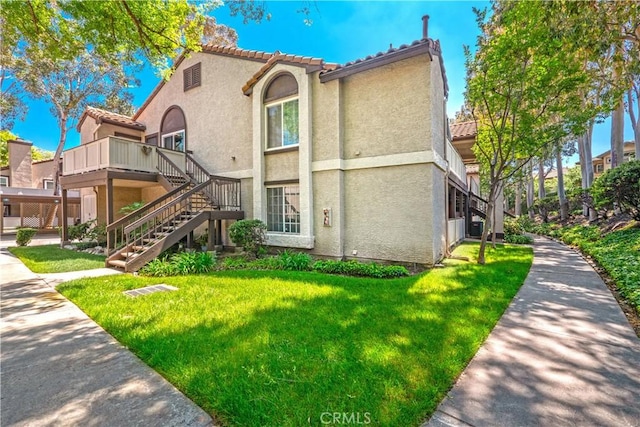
[
  {"x": 518, "y": 239},
  {"x": 80, "y": 231},
  {"x": 192, "y": 262},
  {"x": 250, "y": 234},
  {"x": 355, "y": 268},
  {"x": 157, "y": 268},
  {"x": 24, "y": 236},
  {"x": 132, "y": 207},
  {"x": 620, "y": 185},
  {"x": 295, "y": 261},
  {"x": 180, "y": 263}
]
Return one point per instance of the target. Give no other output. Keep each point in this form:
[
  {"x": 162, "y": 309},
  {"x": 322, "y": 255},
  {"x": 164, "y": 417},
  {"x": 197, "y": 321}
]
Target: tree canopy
[{"x": 525, "y": 85}]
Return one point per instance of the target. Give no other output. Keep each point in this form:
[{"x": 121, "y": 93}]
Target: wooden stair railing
[
  {"x": 151, "y": 234},
  {"x": 225, "y": 195},
  {"x": 135, "y": 239},
  {"x": 115, "y": 231}
]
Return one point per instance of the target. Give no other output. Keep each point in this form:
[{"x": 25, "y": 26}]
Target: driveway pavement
[{"x": 563, "y": 354}]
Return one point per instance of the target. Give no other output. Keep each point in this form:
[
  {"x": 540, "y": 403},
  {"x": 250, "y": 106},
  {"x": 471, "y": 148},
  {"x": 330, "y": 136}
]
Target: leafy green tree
[
  {"x": 5, "y": 136},
  {"x": 69, "y": 86},
  {"x": 38, "y": 154},
  {"x": 524, "y": 87},
  {"x": 619, "y": 186}
]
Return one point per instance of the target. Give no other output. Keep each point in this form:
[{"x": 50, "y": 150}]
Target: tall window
[
  {"x": 4, "y": 181},
  {"x": 282, "y": 112},
  {"x": 283, "y": 209},
  {"x": 173, "y": 130}
]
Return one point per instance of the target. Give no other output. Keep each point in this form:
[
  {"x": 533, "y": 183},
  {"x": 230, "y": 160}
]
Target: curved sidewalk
[
  {"x": 562, "y": 354},
  {"x": 59, "y": 368}
]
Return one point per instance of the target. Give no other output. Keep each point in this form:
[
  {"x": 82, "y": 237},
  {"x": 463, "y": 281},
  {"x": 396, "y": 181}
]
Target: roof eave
[{"x": 379, "y": 61}]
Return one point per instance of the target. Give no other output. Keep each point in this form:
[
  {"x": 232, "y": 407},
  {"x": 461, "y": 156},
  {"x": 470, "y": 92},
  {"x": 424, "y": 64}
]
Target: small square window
[
  {"x": 4, "y": 181},
  {"x": 48, "y": 184}
]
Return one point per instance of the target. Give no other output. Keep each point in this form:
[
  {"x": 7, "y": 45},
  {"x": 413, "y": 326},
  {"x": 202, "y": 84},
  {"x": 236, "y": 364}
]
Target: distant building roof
[
  {"x": 627, "y": 145},
  {"x": 104, "y": 116},
  {"x": 463, "y": 130}
]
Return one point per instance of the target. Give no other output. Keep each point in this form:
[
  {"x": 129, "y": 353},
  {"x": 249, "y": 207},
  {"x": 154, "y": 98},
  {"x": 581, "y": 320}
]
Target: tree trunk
[
  {"x": 635, "y": 121},
  {"x": 617, "y": 134},
  {"x": 488, "y": 224},
  {"x": 56, "y": 170},
  {"x": 562, "y": 198},
  {"x": 541, "y": 191},
  {"x": 583, "y": 171},
  {"x": 530, "y": 195},
  {"x": 518, "y": 202}
]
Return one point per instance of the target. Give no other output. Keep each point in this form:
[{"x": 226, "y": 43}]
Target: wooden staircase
[{"x": 195, "y": 196}]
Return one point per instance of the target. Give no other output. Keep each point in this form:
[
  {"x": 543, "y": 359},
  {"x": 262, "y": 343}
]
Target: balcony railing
[
  {"x": 456, "y": 166},
  {"x": 116, "y": 153}
]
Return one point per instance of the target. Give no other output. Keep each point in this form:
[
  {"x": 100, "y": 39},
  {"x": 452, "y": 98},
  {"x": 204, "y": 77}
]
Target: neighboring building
[
  {"x": 463, "y": 138},
  {"x": 350, "y": 161},
  {"x": 26, "y": 191},
  {"x": 602, "y": 162}
]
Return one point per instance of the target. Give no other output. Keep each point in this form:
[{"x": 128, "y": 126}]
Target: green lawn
[
  {"x": 273, "y": 348},
  {"x": 53, "y": 259}
]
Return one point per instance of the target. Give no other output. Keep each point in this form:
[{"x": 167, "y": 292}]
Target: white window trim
[
  {"x": 283, "y": 233},
  {"x": 280, "y": 101},
  {"x": 4, "y": 181},
  {"x": 306, "y": 239},
  {"x": 184, "y": 140},
  {"x": 44, "y": 184}
]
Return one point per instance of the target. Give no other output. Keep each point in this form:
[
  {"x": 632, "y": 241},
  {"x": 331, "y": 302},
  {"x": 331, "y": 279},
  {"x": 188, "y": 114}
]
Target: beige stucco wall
[
  {"x": 387, "y": 109},
  {"x": 20, "y": 163},
  {"x": 327, "y": 119},
  {"x": 388, "y": 214},
  {"x": 87, "y": 130},
  {"x": 107, "y": 129},
  {"x": 41, "y": 171},
  {"x": 436, "y": 120},
  {"x": 149, "y": 194},
  {"x": 217, "y": 113},
  {"x": 328, "y": 194},
  {"x": 281, "y": 166}
]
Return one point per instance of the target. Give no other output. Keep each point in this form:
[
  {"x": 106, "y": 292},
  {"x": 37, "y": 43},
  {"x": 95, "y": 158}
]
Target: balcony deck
[{"x": 115, "y": 152}]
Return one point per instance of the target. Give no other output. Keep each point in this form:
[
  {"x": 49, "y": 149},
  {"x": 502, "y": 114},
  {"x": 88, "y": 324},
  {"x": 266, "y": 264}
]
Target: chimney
[{"x": 425, "y": 27}]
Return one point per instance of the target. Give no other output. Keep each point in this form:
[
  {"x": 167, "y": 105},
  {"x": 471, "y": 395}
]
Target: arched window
[
  {"x": 173, "y": 129},
  {"x": 281, "y": 107}
]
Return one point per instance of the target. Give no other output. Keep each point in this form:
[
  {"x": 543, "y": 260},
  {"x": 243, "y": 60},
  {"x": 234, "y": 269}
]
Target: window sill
[{"x": 277, "y": 150}]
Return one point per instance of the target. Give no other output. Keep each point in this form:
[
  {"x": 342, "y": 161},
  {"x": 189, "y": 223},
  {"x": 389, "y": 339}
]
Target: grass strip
[
  {"x": 279, "y": 348},
  {"x": 53, "y": 259}
]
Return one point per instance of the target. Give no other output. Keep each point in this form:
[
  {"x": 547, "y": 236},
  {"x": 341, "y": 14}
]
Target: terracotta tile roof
[
  {"x": 463, "y": 129},
  {"x": 104, "y": 116},
  {"x": 418, "y": 47},
  {"x": 311, "y": 64}
]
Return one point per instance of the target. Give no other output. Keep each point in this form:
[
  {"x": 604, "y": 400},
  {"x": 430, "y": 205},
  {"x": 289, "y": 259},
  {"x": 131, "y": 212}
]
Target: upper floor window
[
  {"x": 282, "y": 112},
  {"x": 4, "y": 181},
  {"x": 47, "y": 184},
  {"x": 191, "y": 76},
  {"x": 173, "y": 130},
  {"x": 174, "y": 141}
]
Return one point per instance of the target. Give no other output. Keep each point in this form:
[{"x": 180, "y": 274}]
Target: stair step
[
  {"x": 129, "y": 254},
  {"x": 120, "y": 263}
]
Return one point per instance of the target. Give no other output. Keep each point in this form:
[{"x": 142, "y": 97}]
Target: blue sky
[{"x": 340, "y": 32}]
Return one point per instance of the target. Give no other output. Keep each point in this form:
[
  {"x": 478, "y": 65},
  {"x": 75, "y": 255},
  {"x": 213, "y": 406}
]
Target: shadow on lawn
[{"x": 386, "y": 348}]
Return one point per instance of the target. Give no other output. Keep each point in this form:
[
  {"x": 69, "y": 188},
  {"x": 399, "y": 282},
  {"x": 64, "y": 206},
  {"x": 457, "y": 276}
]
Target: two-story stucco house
[
  {"x": 343, "y": 161},
  {"x": 26, "y": 191}
]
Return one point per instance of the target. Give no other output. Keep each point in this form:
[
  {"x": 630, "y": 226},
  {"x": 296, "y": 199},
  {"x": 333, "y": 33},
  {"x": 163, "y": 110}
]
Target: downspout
[{"x": 447, "y": 253}]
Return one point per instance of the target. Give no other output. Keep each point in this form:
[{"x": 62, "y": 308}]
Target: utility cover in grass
[{"x": 150, "y": 290}]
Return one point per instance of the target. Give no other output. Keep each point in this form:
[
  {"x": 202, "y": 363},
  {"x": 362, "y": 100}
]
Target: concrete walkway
[
  {"x": 59, "y": 368},
  {"x": 562, "y": 354}
]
